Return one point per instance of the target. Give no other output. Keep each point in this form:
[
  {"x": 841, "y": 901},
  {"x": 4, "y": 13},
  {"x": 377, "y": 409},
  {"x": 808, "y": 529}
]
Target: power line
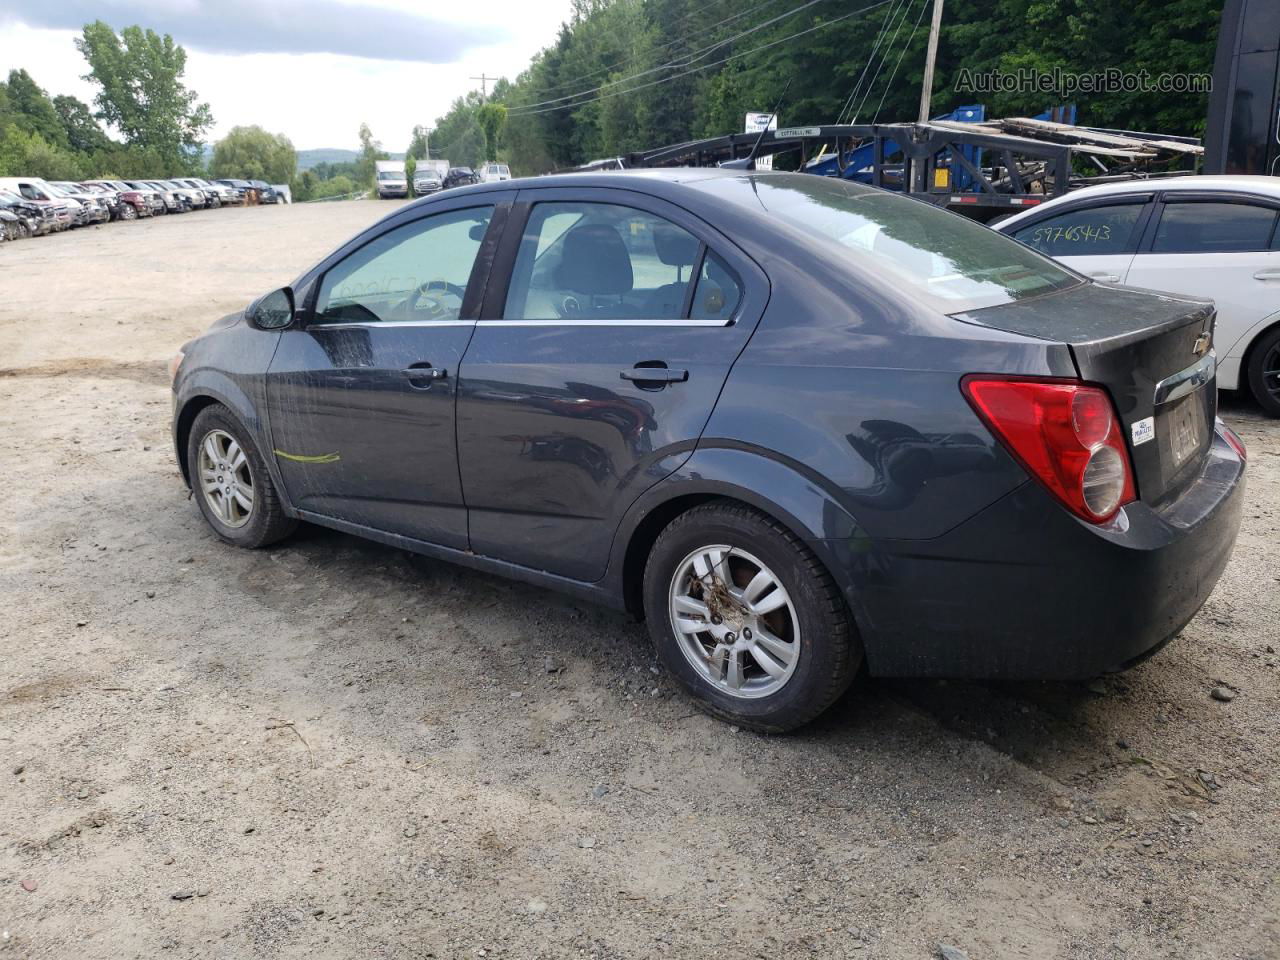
[
  {"x": 884, "y": 59},
  {"x": 880, "y": 37},
  {"x": 683, "y": 61},
  {"x": 923, "y": 7},
  {"x": 708, "y": 66},
  {"x": 662, "y": 46}
]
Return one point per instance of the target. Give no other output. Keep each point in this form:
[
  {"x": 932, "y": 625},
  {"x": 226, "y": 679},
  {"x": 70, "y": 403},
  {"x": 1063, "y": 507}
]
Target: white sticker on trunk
[{"x": 1144, "y": 430}]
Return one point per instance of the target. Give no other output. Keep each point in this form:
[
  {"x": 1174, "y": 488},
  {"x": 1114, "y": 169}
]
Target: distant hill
[{"x": 309, "y": 158}]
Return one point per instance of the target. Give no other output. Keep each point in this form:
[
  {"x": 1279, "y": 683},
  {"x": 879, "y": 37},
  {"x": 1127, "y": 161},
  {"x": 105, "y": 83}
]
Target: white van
[{"x": 494, "y": 171}]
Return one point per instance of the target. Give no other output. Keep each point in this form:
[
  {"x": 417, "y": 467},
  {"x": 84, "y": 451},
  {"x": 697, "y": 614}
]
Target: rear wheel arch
[{"x": 656, "y": 519}]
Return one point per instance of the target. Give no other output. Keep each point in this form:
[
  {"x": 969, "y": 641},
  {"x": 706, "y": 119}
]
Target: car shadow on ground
[{"x": 1062, "y": 730}]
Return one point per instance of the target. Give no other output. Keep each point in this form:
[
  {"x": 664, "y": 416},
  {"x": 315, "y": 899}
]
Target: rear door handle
[
  {"x": 1105, "y": 277},
  {"x": 1267, "y": 275},
  {"x": 654, "y": 375}
]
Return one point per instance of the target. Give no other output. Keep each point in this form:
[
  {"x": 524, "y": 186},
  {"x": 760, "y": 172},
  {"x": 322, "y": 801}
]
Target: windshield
[
  {"x": 390, "y": 175},
  {"x": 950, "y": 262}
]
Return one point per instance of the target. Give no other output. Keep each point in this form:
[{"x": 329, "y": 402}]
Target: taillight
[
  {"x": 1066, "y": 434},
  {"x": 1233, "y": 441}
]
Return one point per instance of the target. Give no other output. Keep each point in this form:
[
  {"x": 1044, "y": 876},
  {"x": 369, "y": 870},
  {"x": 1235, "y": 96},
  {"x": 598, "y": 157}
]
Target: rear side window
[
  {"x": 1087, "y": 232},
  {"x": 601, "y": 261},
  {"x": 1214, "y": 228}
]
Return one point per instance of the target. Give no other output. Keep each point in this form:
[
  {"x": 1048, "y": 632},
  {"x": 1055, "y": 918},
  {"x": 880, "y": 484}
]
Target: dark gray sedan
[{"x": 796, "y": 424}]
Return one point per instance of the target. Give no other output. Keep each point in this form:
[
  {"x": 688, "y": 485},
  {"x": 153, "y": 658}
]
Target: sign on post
[{"x": 757, "y": 123}]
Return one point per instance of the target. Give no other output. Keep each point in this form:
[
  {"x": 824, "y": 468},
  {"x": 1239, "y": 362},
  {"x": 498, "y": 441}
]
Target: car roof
[{"x": 1241, "y": 184}]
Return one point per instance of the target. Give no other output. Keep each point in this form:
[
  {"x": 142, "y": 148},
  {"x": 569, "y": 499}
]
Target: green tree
[
  {"x": 30, "y": 155},
  {"x": 82, "y": 132},
  {"x": 491, "y": 117},
  {"x": 410, "y": 167},
  {"x": 251, "y": 153},
  {"x": 418, "y": 144},
  {"x": 139, "y": 73},
  {"x": 370, "y": 153},
  {"x": 32, "y": 110},
  {"x": 334, "y": 187}
]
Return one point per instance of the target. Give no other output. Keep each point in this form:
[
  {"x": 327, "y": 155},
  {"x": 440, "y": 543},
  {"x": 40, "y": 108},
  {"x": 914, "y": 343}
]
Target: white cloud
[{"x": 317, "y": 99}]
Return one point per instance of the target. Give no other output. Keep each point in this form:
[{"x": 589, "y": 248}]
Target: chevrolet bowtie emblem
[{"x": 1202, "y": 344}]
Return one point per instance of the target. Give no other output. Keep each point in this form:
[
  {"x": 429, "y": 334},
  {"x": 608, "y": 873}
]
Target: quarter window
[
  {"x": 416, "y": 272},
  {"x": 717, "y": 294},
  {"x": 1087, "y": 232},
  {"x": 1214, "y": 228},
  {"x": 604, "y": 261}
]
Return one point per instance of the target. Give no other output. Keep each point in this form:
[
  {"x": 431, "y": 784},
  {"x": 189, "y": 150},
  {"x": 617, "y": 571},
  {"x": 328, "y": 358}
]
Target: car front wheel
[
  {"x": 747, "y": 618},
  {"x": 231, "y": 483}
]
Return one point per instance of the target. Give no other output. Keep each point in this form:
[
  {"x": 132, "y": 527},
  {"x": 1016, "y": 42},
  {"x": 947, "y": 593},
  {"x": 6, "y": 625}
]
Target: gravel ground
[{"x": 336, "y": 749}]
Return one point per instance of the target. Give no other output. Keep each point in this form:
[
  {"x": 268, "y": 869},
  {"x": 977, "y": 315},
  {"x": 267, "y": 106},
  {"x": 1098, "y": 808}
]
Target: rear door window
[
  {"x": 1214, "y": 227},
  {"x": 1086, "y": 232},
  {"x": 602, "y": 261}
]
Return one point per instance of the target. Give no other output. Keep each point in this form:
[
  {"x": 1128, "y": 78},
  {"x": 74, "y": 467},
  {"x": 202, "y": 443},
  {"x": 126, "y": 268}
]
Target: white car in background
[
  {"x": 1215, "y": 237},
  {"x": 494, "y": 171}
]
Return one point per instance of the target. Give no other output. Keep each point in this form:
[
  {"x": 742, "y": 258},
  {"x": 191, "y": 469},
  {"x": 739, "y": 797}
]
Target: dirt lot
[{"x": 335, "y": 749}]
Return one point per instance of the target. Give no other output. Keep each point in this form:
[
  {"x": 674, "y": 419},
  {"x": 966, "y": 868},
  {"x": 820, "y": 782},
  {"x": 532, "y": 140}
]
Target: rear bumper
[{"x": 1025, "y": 590}]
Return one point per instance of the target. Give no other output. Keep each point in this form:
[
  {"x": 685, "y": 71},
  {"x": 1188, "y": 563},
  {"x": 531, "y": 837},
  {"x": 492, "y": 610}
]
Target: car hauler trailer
[{"x": 981, "y": 168}]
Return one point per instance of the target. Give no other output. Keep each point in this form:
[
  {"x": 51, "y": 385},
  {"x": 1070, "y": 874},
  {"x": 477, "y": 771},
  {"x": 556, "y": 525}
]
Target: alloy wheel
[
  {"x": 734, "y": 621},
  {"x": 225, "y": 479},
  {"x": 1271, "y": 371}
]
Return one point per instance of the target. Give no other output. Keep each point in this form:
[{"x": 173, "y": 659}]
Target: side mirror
[{"x": 272, "y": 312}]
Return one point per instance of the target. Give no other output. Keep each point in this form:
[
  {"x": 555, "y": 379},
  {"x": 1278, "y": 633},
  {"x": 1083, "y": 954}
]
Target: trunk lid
[{"x": 1153, "y": 354}]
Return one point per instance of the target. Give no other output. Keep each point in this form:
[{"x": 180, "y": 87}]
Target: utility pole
[
  {"x": 483, "y": 84},
  {"x": 426, "y": 142},
  {"x": 926, "y": 88}
]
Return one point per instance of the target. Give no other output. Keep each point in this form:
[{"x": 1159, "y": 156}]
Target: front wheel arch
[{"x": 182, "y": 430}]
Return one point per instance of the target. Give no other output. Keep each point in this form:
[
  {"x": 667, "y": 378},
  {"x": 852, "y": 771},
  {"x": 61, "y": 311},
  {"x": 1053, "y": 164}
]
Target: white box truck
[{"x": 391, "y": 179}]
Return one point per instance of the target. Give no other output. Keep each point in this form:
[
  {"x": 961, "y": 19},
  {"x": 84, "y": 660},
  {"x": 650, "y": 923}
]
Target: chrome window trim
[
  {"x": 320, "y": 324},
  {"x": 617, "y": 322}
]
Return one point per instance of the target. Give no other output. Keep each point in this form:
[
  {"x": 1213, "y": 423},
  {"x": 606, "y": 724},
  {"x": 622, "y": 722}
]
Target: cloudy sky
[{"x": 313, "y": 70}]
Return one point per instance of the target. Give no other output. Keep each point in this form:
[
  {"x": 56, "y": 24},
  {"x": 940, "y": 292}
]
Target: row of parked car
[{"x": 33, "y": 206}]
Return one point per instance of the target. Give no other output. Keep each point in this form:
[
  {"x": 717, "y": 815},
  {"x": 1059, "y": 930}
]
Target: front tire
[
  {"x": 1264, "y": 372},
  {"x": 747, "y": 619},
  {"x": 231, "y": 483}
]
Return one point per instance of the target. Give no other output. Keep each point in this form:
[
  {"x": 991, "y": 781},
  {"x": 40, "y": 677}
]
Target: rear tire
[
  {"x": 1264, "y": 371},
  {"x": 771, "y": 671},
  {"x": 231, "y": 483}
]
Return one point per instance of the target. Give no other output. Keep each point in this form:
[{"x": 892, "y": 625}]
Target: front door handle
[
  {"x": 420, "y": 372},
  {"x": 1105, "y": 277},
  {"x": 1267, "y": 275},
  {"x": 654, "y": 375}
]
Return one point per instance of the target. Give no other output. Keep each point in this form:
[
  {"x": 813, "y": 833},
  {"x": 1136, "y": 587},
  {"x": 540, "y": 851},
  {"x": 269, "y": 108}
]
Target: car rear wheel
[
  {"x": 747, "y": 618},
  {"x": 1264, "y": 372},
  {"x": 231, "y": 482}
]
